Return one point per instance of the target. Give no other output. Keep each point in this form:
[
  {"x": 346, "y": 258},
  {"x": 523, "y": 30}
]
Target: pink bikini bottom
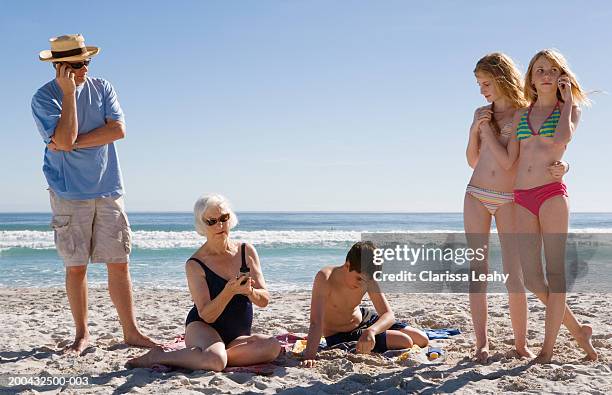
[{"x": 532, "y": 199}]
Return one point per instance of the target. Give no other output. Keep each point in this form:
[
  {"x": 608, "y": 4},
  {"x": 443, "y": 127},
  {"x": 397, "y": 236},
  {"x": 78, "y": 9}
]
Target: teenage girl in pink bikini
[
  {"x": 543, "y": 131},
  {"x": 489, "y": 193}
]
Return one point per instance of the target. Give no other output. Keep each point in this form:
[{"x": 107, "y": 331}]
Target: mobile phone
[
  {"x": 559, "y": 95},
  {"x": 247, "y": 272}
]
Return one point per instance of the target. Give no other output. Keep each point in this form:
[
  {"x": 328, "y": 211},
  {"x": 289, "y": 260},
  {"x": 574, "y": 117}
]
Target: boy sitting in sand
[{"x": 335, "y": 312}]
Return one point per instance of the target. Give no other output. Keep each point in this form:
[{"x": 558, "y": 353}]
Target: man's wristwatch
[{"x": 75, "y": 146}]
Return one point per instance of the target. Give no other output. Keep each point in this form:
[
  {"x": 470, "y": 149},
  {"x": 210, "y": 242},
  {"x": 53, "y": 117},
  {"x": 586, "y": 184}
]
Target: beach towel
[
  {"x": 294, "y": 342},
  {"x": 177, "y": 344},
  {"x": 442, "y": 333},
  {"x": 300, "y": 345}
]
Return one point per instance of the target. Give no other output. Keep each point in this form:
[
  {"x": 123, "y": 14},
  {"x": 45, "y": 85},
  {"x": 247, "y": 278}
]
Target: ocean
[{"x": 292, "y": 246}]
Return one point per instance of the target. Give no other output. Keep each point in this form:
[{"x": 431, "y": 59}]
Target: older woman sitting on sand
[{"x": 225, "y": 279}]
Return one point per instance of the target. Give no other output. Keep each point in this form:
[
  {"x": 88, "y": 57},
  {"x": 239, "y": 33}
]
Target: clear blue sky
[{"x": 299, "y": 105}]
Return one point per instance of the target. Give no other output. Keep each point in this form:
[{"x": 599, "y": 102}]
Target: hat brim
[{"x": 47, "y": 56}]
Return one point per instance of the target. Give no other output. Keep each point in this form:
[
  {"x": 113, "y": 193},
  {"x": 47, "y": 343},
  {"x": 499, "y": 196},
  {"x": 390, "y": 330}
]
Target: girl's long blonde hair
[
  {"x": 557, "y": 59},
  {"x": 506, "y": 77}
]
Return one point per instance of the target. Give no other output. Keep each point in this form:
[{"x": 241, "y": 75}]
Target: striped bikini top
[
  {"x": 506, "y": 130},
  {"x": 524, "y": 130}
]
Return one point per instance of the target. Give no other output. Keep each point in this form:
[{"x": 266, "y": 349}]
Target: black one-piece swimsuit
[{"x": 237, "y": 318}]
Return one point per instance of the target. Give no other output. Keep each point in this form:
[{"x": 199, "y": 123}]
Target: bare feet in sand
[
  {"x": 146, "y": 360},
  {"x": 139, "y": 340},
  {"x": 79, "y": 345},
  {"x": 542, "y": 358},
  {"x": 584, "y": 341},
  {"x": 524, "y": 351},
  {"x": 482, "y": 354}
]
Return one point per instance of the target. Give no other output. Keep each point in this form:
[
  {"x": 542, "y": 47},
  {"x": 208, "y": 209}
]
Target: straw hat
[{"x": 68, "y": 48}]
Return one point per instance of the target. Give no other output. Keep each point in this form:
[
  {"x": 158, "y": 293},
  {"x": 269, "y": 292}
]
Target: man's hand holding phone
[{"x": 64, "y": 76}]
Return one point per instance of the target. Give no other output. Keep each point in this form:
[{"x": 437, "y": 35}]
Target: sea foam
[
  {"x": 155, "y": 240},
  {"x": 170, "y": 240}
]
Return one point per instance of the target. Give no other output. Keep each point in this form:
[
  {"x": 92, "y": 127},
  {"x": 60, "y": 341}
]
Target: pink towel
[
  {"x": 288, "y": 340},
  {"x": 177, "y": 344}
]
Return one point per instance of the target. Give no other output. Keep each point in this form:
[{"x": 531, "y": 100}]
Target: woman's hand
[
  {"x": 486, "y": 132},
  {"x": 565, "y": 87},
  {"x": 481, "y": 116},
  {"x": 236, "y": 288}
]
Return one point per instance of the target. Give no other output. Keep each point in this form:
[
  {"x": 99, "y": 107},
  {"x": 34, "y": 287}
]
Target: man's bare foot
[
  {"x": 584, "y": 341},
  {"x": 482, "y": 354},
  {"x": 139, "y": 340},
  {"x": 79, "y": 345},
  {"x": 146, "y": 360},
  {"x": 524, "y": 351},
  {"x": 542, "y": 358}
]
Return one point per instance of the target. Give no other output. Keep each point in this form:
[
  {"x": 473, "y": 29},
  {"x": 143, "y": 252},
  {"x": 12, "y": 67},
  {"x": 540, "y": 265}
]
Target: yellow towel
[{"x": 300, "y": 346}]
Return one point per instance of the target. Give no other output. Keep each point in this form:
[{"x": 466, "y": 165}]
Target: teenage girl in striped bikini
[
  {"x": 489, "y": 193},
  {"x": 543, "y": 131}
]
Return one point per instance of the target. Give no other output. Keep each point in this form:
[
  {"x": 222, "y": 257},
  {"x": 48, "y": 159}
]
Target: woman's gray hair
[{"x": 206, "y": 201}]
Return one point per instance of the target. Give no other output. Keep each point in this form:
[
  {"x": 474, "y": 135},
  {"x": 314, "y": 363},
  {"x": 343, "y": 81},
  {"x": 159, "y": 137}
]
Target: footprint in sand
[
  {"x": 167, "y": 327},
  {"x": 64, "y": 343},
  {"x": 240, "y": 378},
  {"x": 90, "y": 350}
]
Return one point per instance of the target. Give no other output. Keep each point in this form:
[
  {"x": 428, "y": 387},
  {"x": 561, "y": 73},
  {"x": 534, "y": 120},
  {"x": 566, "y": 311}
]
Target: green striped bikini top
[{"x": 524, "y": 130}]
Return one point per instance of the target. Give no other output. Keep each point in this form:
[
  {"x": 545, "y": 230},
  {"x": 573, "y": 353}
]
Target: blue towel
[{"x": 443, "y": 333}]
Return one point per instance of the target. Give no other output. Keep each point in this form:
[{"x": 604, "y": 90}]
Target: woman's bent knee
[
  {"x": 213, "y": 361},
  {"x": 273, "y": 347}
]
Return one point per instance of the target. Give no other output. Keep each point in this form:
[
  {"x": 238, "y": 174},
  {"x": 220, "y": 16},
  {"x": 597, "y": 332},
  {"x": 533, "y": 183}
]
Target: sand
[{"x": 37, "y": 324}]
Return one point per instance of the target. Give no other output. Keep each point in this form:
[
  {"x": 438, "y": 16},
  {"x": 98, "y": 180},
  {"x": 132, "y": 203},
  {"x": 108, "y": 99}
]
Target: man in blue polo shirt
[{"x": 79, "y": 119}]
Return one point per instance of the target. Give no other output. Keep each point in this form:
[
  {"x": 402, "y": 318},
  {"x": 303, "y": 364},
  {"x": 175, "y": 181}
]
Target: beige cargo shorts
[{"x": 94, "y": 229}]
